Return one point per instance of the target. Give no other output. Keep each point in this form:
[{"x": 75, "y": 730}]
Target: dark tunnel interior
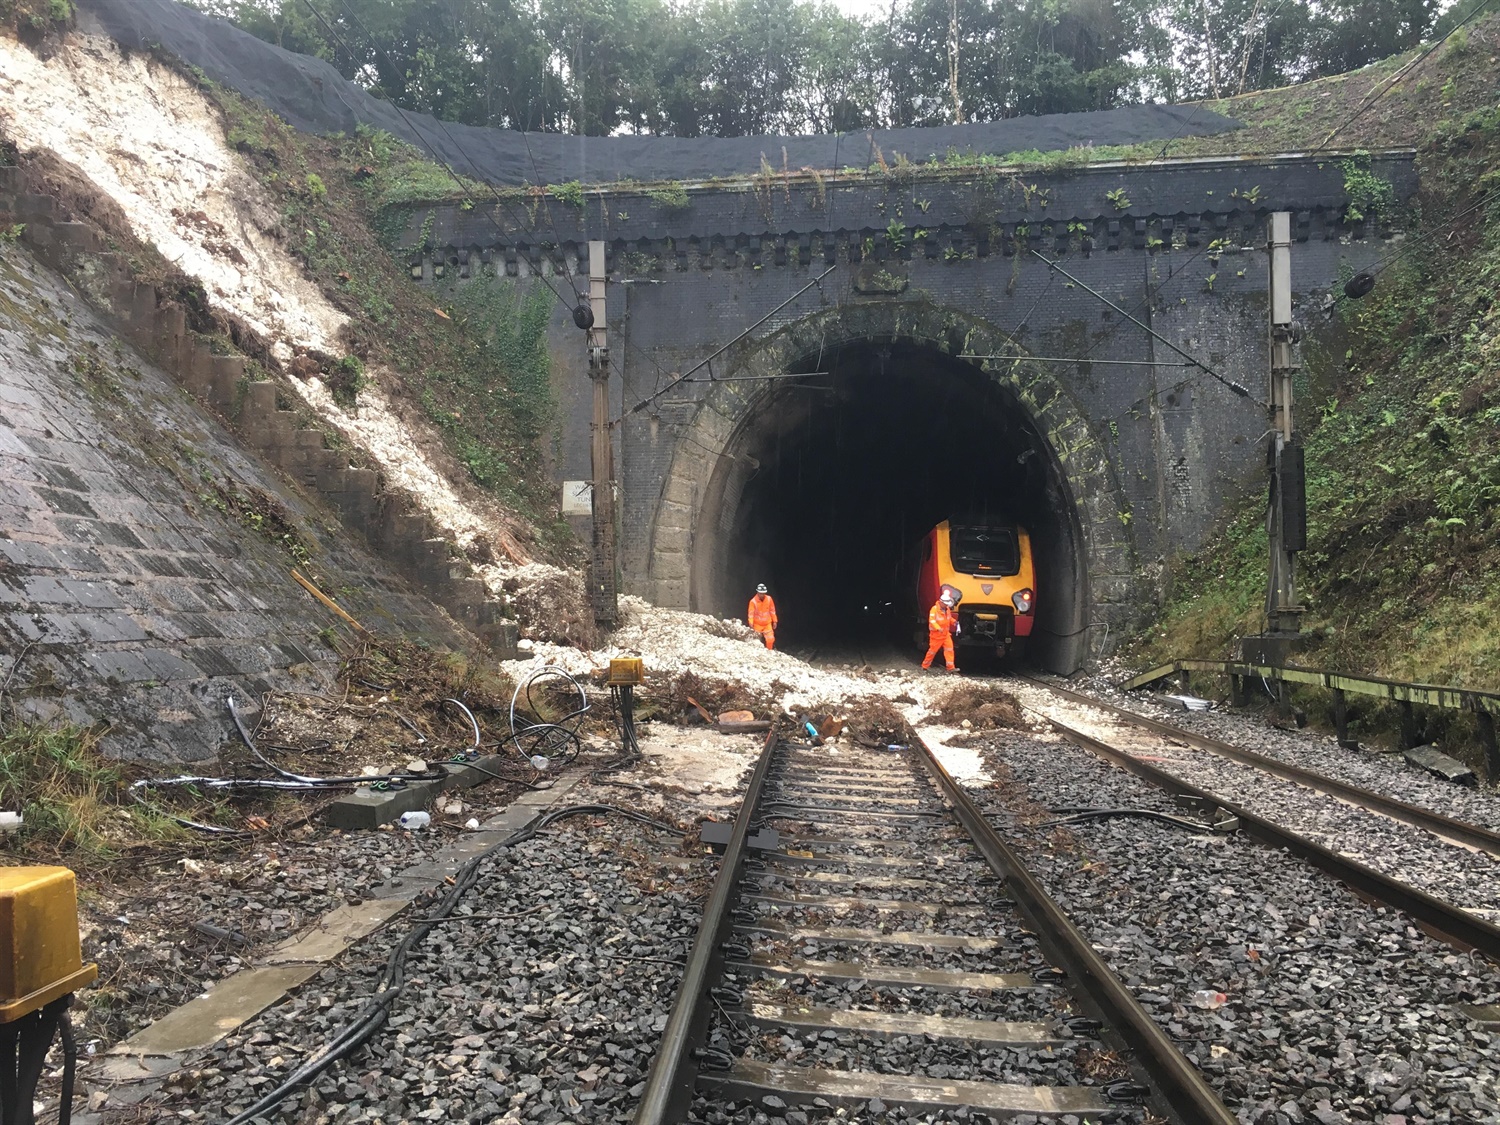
[{"x": 835, "y": 475}]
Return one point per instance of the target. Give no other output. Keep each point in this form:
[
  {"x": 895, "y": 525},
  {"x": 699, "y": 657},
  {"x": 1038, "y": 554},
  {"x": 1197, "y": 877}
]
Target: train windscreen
[{"x": 984, "y": 550}]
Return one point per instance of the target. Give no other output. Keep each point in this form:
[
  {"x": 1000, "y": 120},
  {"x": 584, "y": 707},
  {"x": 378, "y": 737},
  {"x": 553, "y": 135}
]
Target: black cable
[
  {"x": 373, "y": 1015},
  {"x": 399, "y": 778},
  {"x": 556, "y": 741},
  {"x": 1081, "y": 815}
]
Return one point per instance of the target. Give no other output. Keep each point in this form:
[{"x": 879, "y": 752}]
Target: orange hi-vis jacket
[
  {"x": 942, "y": 620},
  {"x": 762, "y": 614}
]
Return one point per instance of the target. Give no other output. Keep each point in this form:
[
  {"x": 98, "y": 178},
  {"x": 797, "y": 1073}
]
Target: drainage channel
[{"x": 871, "y": 940}]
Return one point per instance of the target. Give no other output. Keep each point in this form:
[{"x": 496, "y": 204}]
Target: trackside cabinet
[{"x": 41, "y": 966}]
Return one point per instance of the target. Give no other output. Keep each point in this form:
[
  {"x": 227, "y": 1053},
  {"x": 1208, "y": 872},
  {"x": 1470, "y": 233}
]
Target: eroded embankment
[
  {"x": 154, "y": 144},
  {"x": 144, "y": 558}
]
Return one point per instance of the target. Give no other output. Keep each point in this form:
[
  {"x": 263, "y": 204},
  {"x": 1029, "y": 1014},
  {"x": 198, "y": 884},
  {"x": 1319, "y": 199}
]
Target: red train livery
[{"x": 991, "y": 565}]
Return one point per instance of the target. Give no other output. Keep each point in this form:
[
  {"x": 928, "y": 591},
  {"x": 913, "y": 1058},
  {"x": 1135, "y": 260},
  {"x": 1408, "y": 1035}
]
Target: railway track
[
  {"x": 1464, "y": 927},
  {"x": 871, "y": 940}
]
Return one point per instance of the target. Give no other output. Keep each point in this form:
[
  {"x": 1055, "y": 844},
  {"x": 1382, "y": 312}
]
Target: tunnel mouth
[{"x": 844, "y": 462}]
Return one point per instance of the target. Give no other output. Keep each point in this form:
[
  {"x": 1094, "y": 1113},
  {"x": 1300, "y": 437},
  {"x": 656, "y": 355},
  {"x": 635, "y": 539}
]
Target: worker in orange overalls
[
  {"x": 762, "y": 615},
  {"x": 942, "y": 623}
]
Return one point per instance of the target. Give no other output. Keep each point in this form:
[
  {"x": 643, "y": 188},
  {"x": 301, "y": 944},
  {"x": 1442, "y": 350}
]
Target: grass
[
  {"x": 1400, "y": 403},
  {"x": 72, "y": 799}
]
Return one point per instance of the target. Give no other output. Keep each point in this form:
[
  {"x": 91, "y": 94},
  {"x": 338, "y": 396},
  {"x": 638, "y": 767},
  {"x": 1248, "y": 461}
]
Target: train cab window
[{"x": 984, "y": 550}]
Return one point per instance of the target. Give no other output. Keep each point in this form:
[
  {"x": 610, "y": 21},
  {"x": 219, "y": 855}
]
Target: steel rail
[
  {"x": 1178, "y": 1083},
  {"x": 1474, "y": 835},
  {"x": 669, "y": 1086},
  {"x": 1442, "y": 919}
]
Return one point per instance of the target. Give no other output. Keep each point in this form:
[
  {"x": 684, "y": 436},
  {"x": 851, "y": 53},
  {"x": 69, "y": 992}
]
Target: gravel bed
[
  {"x": 1337, "y": 1011},
  {"x": 887, "y": 921},
  {"x": 1387, "y": 774},
  {"x": 1013, "y": 951},
  {"x": 1457, "y": 874},
  {"x": 546, "y": 1006},
  {"x": 853, "y": 886},
  {"x": 136, "y": 922},
  {"x": 902, "y": 1054},
  {"x": 956, "y": 874},
  {"x": 771, "y": 1110},
  {"x": 1015, "y": 1004}
]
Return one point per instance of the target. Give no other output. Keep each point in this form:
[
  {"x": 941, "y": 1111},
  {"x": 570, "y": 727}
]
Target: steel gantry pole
[
  {"x": 1286, "y": 515},
  {"x": 604, "y": 583}
]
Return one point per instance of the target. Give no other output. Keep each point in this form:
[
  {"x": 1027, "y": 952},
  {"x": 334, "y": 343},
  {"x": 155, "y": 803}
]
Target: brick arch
[{"x": 702, "y": 488}]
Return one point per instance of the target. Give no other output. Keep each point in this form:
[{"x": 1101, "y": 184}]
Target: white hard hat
[
  {"x": 947, "y": 599},
  {"x": 761, "y": 589}
]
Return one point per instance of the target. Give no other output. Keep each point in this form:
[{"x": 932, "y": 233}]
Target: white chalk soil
[
  {"x": 154, "y": 143},
  {"x": 701, "y": 762}
]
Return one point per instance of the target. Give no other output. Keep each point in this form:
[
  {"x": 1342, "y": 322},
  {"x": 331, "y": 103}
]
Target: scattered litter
[
  {"x": 452, "y": 808},
  {"x": 736, "y": 716},
  {"x": 257, "y": 823},
  {"x": 472, "y": 824},
  {"x": 702, "y": 710},
  {"x": 416, "y": 765},
  {"x": 540, "y": 762},
  {"x": 411, "y": 821},
  {"x": 190, "y": 866},
  {"x": 10, "y": 821},
  {"x": 1190, "y": 702},
  {"x": 1208, "y": 999}
]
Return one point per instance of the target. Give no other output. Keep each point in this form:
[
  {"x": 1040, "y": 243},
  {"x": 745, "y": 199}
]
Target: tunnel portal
[{"x": 832, "y": 476}]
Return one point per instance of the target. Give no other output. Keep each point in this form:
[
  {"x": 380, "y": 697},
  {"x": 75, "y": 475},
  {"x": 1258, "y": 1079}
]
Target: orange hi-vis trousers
[
  {"x": 768, "y": 635},
  {"x": 935, "y": 641}
]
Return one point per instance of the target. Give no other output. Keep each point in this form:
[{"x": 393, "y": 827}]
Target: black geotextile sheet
[{"x": 312, "y": 96}]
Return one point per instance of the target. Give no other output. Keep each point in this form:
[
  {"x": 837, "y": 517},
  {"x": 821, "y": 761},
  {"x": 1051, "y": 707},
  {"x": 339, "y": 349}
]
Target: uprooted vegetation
[
  {"x": 983, "y": 706},
  {"x": 392, "y": 709},
  {"x": 677, "y": 698}
]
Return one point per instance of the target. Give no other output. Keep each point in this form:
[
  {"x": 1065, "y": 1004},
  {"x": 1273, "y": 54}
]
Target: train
[{"x": 990, "y": 565}]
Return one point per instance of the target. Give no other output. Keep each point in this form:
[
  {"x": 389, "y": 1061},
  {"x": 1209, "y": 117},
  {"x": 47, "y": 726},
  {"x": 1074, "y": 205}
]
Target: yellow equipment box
[
  {"x": 40, "y": 958},
  {"x": 626, "y": 671}
]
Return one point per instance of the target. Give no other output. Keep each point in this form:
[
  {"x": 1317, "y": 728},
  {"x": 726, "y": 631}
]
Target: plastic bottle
[
  {"x": 540, "y": 762},
  {"x": 10, "y": 821},
  {"x": 812, "y": 733},
  {"x": 1208, "y": 999},
  {"x": 414, "y": 820}
]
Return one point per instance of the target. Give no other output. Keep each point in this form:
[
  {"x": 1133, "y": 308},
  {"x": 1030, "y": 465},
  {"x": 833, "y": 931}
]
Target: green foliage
[
  {"x": 799, "y": 66},
  {"x": 509, "y": 325},
  {"x": 1402, "y": 432},
  {"x": 1369, "y": 195},
  {"x": 570, "y": 193},
  {"x": 12, "y": 232},
  {"x": 1117, "y": 199},
  {"x": 346, "y": 380},
  {"x": 672, "y": 197},
  {"x": 315, "y": 187},
  {"x": 69, "y": 795}
]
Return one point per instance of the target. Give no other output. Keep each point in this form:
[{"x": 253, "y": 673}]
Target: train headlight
[{"x": 1021, "y": 599}]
